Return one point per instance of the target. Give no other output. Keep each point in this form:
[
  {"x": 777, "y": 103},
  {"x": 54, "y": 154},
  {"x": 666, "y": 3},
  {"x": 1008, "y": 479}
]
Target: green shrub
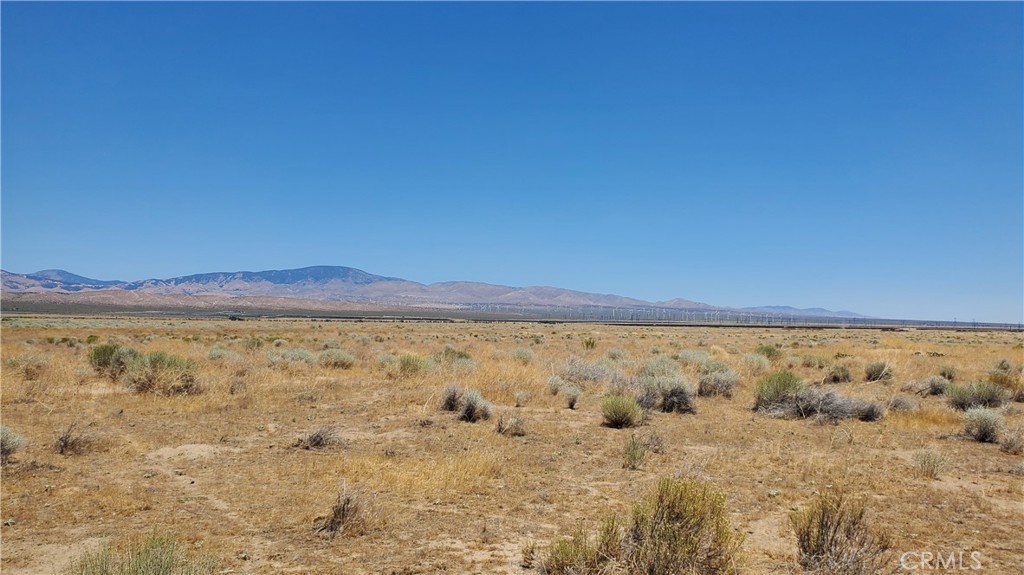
[
  {"x": 838, "y": 374},
  {"x": 111, "y": 359},
  {"x": 834, "y": 537},
  {"x": 983, "y": 424},
  {"x": 162, "y": 373},
  {"x": 91, "y": 339},
  {"x": 771, "y": 352},
  {"x": 10, "y": 442},
  {"x": 878, "y": 371},
  {"x": 621, "y": 411},
  {"x": 336, "y": 359},
  {"x": 778, "y": 389},
  {"x": 589, "y": 342},
  {"x": 156, "y": 555},
  {"x": 983, "y": 394},
  {"x": 634, "y": 453}
]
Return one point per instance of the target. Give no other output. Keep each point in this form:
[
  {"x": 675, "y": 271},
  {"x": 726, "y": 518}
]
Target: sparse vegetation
[
  {"x": 163, "y": 374},
  {"x": 511, "y": 425},
  {"x": 878, "y": 371},
  {"x": 572, "y": 396},
  {"x": 321, "y": 437},
  {"x": 755, "y": 363},
  {"x": 634, "y": 453},
  {"x": 336, "y": 359},
  {"x": 982, "y": 394},
  {"x": 834, "y": 537},
  {"x": 1012, "y": 442},
  {"x": 770, "y": 352},
  {"x": 838, "y": 374},
  {"x": 717, "y": 383},
  {"x": 158, "y": 554},
  {"x": 777, "y": 390},
  {"x": 70, "y": 441},
  {"x": 350, "y": 515},
  {"x": 931, "y": 464},
  {"x": 474, "y": 407}
]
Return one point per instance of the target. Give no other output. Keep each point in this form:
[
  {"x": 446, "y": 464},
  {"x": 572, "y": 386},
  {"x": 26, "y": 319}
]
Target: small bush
[
  {"x": 815, "y": 361},
  {"x": 579, "y": 371},
  {"x": 451, "y": 397},
  {"x": 689, "y": 357},
  {"x": 931, "y": 464},
  {"x": 320, "y": 438},
  {"x": 948, "y": 372},
  {"x": 474, "y": 407},
  {"x": 676, "y": 396},
  {"x": 834, "y": 537},
  {"x": 658, "y": 367},
  {"x": 111, "y": 360},
  {"x": 156, "y": 555},
  {"x": 218, "y": 353},
  {"x": 983, "y": 424},
  {"x": 1013, "y": 442},
  {"x": 778, "y": 389},
  {"x": 572, "y": 396},
  {"x": 522, "y": 355},
  {"x": 648, "y": 391},
  {"x": 901, "y": 403},
  {"x": 615, "y": 354},
  {"x": 555, "y": 384},
  {"x": 838, "y": 374},
  {"x": 983, "y": 394},
  {"x": 162, "y": 373},
  {"x": 511, "y": 425},
  {"x": 336, "y": 359},
  {"x": 349, "y": 515},
  {"x": 589, "y": 342},
  {"x": 634, "y": 453},
  {"x": 10, "y": 442},
  {"x": 298, "y": 355},
  {"x": 755, "y": 363},
  {"x": 713, "y": 366},
  {"x": 878, "y": 371},
  {"x": 771, "y": 352},
  {"x": 70, "y": 441},
  {"x": 936, "y": 385},
  {"x": 717, "y": 383},
  {"x": 621, "y": 411}
]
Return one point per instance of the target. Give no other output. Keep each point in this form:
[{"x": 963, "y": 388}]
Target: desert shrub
[
  {"x": 816, "y": 361},
  {"x": 838, "y": 374},
  {"x": 648, "y": 392},
  {"x": 983, "y": 424},
  {"x": 1012, "y": 442},
  {"x": 555, "y": 384},
  {"x": 572, "y": 396},
  {"x": 878, "y": 371},
  {"x": 689, "y": 357},
  {"x": 351, "y": 514},
  {"x": 522, "y": 355},
  {"x": 298, "y": 355},
  {"x": 10, "y": 442},
  {"x": 218, "y": 353},
  {"x": 451, "y": 397},
  {"x": 319, "y": 438},
  {"x": 870, "y": 410},
  {"x": 677, "y": 396},
  {"x": 683, "y": 527},
  {"x": 159, "y": 554},
  {"x": 834, "y": 537},
  {"x": 91, "y": 339},
  {"x": 713, "y": 366},
  {"x": 983, "y": 394},
  {"x": 778, "y": 389},
  {"x": 511, "y": 425},
  {"x": 770, "y": 352},
  {"x": 335, "y": 359},
  {"x": 111, "y": 360},
  {"x": 450, "y": 355},
  {"x": 410, "y": 365},
  {"x": 936, "y": 385},
  {"x": 70, "y": 441},
  {"x": 474, "y": 407},
  {"x": 634, "y": 452},
  {"x": 580, "y": 371},
  {"x": 522, "y": 397},
  {"x": 621, "y": 411},
  {"x": 755, "y": 363},
  {"x": 615, "y": 354},
  {"x": 162, "y": 373},
  {"x": 930, "y": 463},
  {"x": 948, "y": 372},
  {"x": 658, "y": 367},
  {"x": 717, "y": 383},
  {"x": 901, "y": 403},
  {"x": 589, "y": 342}
]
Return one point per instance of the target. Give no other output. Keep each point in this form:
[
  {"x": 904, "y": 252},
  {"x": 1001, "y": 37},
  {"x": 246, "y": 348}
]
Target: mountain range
[{"x": 331, "y": 287}]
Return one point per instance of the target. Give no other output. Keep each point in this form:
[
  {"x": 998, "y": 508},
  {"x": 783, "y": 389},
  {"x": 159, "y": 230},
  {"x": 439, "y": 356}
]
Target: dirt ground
[{"x": 220, "y": 470}]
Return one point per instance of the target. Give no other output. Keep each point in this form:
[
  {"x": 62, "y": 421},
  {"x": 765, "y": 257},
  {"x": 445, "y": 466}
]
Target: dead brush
[
  {"x": 352, "y": 514},
  {"x": 323, "y": 436},
  {"x": 70, "y": 441},
  {"x": 511, "y": 425}
]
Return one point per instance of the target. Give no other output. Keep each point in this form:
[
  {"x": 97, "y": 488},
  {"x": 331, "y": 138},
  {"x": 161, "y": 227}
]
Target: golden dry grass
[{"x": 220, "y": 471}]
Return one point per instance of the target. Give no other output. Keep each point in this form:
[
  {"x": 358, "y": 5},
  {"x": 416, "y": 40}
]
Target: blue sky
[{"x": 860, "y": 156}]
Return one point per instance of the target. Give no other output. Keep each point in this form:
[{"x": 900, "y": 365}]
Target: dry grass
[{"x": 448, "y": 496}]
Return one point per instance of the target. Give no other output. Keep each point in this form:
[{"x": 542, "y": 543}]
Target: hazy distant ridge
[{"x": 345, "y": 284}]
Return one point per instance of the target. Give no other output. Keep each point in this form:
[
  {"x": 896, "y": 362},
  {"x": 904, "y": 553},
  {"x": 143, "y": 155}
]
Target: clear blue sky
[{"x": 860, "y": 156}]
